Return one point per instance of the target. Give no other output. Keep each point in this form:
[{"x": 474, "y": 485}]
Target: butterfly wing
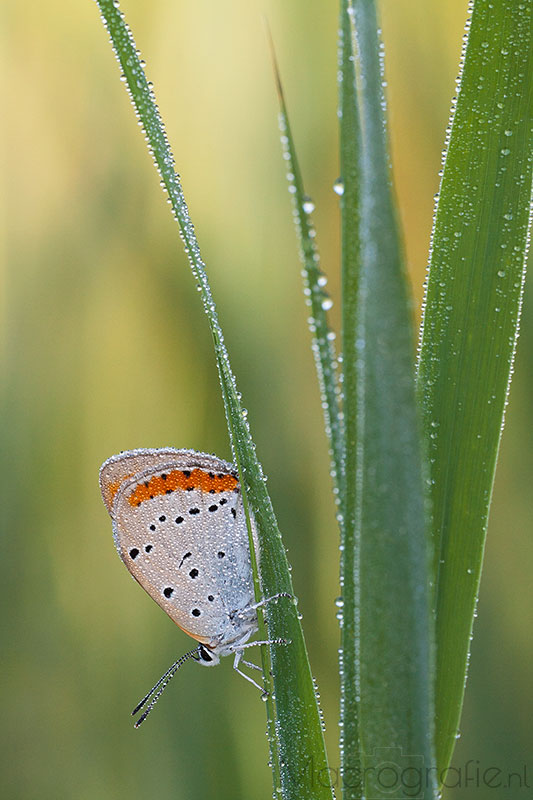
[
  {"x": 117, "y": 469},
  {"x": 180, "y": 528}
]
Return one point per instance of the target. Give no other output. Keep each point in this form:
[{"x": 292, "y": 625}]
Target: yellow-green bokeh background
[{"x": 105, "y": 348}]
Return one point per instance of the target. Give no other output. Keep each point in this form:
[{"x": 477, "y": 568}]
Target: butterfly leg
[
  {"x": 268, "y": 641},
  {"x": 250, "y": 665},
  {"x": 236, "y": 662},
  {"x": 239, "y": 660},
  {"x": 266, "y": 600}
]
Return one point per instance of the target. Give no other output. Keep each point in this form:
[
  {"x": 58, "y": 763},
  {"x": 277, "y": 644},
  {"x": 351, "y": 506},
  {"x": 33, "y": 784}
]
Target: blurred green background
[{"x": 105, "y": 347}]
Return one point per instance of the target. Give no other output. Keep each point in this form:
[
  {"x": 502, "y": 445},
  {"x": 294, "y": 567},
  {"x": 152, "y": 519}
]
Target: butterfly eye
[{"x": 204, "y": 654}]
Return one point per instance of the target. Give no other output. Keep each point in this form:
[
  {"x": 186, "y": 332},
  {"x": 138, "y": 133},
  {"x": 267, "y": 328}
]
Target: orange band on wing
[
  {"x": 182, "y": 479},
  {"x": 112, "y": 488}
]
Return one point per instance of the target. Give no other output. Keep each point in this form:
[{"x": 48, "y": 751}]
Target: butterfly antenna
[{"x": 161, "y": 684}]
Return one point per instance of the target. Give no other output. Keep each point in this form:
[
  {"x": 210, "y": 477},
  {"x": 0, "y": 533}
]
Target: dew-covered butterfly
[{"x": 180, "y": 528}]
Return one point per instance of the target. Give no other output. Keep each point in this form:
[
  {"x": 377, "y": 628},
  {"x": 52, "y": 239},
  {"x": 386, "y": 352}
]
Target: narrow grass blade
[
  {"x": 317, "y": 297},
  {"x": 350, "y": 143},
  {"x": 294, "y": 720},
  {"x": 471, "y": 320},
  {"x": 392, "y": 564}
]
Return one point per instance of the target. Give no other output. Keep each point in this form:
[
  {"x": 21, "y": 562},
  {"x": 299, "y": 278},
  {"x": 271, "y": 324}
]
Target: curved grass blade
[
  {"x": 316, "y": 296},
  {"x": 350, "y": 143},
  {"x": 392, "y": 559},
  {"x": 296, "y": 738},
  {"x": 471, "y": 320}
]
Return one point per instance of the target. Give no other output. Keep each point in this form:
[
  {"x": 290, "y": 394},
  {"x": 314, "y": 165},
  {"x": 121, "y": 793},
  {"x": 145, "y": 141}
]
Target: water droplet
[
  {"x": 308, "y": 205},
  {"x": 338, "y": 187}
]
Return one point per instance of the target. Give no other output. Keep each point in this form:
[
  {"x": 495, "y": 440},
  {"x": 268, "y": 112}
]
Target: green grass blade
[
  {"x": 350, "y": 136},
  {"x": 316, "y": 295},
  {"x": 392, "y": 572},
  {"x": 471, "y": 320},
  {"x": 294, "y": 718}
]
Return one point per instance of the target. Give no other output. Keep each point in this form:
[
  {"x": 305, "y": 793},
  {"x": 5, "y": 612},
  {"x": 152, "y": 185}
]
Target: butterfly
[{"x": 180, "y": 528}]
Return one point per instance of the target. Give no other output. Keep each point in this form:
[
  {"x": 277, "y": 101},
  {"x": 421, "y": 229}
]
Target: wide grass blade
[
  {"x": 471, "y": 319},
  {"x": 296, "y": 738},
  {"x": 350, "y": 146},
  {"x": 392, "y": 562}
]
